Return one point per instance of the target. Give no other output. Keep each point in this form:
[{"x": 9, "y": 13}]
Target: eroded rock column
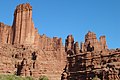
[{"x": 23, "y": 27}]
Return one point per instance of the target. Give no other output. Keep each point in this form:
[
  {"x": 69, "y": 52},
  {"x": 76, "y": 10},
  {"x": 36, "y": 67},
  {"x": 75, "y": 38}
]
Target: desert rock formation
[
  {"x": 91, "y": 59},
  {"x": 24, "y": 52},
  {"x": 23, "y": 26}
]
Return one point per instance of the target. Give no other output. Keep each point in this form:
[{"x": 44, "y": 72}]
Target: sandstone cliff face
[
  {"x": 24, "y": 52},
  {"x": 5, "y": 33},
  {"x": 92, "y": 59},
  {"x": 91, "y": 42}
]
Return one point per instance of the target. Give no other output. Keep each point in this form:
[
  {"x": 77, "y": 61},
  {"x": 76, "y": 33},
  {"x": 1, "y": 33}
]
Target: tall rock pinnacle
[
  {"x": 25, "y": 52},
  {"x": 23, "y": 27}
]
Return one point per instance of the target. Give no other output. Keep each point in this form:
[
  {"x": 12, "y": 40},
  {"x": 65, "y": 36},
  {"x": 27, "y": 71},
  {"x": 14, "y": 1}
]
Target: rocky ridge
[{"x": 92, "y": 58}]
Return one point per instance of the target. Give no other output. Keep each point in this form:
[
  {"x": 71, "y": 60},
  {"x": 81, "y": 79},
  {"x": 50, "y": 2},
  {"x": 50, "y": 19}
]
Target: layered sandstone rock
[
  {"x": 24, "y": 52},
  {"x": 23, "y": 27},
  {"x": 92, "y": 59},
  {"x": 92, "y": 44},
  {"x": 5, "y": 33}
]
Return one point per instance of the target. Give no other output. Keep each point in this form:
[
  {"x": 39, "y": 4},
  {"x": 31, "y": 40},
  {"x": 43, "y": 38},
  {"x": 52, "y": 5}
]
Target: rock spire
[{"x": 23, "y": 27}]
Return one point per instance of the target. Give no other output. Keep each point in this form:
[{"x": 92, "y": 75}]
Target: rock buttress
[{"x": 5, "y": 34}]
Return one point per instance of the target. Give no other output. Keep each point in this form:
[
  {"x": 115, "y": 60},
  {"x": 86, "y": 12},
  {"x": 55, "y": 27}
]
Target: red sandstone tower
[{"x": 23, "y": 27}]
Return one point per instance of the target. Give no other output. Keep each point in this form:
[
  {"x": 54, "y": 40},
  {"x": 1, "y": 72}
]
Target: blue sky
[{"x": 77, "y": 17}]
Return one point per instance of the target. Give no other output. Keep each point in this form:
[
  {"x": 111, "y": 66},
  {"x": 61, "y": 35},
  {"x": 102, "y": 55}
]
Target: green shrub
[
  {"x": 14, "y": 77},
  {"x": 29, "y": 78},
  {"x": 43, "y": 78}
]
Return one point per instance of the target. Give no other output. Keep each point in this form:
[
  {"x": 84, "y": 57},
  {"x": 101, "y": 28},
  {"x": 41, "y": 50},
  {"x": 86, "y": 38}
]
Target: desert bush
[
  {"x": 14, "y": 77},
  {"x": 43, "y": 78}
]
